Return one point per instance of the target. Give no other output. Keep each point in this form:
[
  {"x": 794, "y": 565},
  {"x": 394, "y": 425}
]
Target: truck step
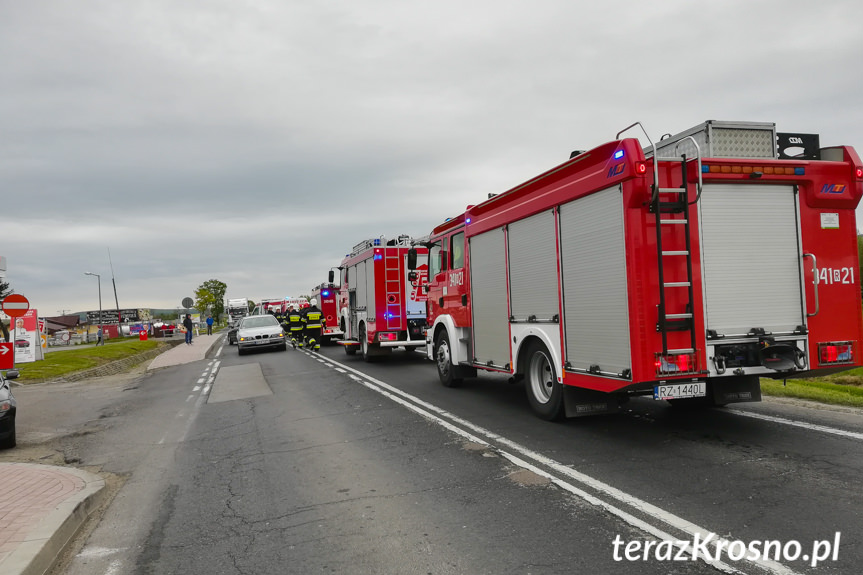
[
  {"x": 673, "y": 221},
  {"x": 678, "y": 316},
  {"x": 675, "y": 253},
  {"x": 676, "y": 284}
]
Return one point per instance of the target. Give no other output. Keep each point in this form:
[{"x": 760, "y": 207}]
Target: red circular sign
[{"x": 15, "y": 305}]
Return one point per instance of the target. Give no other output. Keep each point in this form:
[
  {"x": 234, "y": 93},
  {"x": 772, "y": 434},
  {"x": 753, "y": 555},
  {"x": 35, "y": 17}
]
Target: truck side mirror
[
  {"x": 331, "y": 276},
  {"x": 412, "y": 259}
]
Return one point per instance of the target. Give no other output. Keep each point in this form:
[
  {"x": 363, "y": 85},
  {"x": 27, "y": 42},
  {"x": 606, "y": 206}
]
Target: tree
[{"x": 210, "y": 296}]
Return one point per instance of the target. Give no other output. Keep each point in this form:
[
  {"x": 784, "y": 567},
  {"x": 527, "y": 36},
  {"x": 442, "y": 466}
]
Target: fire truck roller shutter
[
  {"x": 362, "y": 289},
  {"x": 488, "y": 295},
  {"x": 751, "y": 258},
  {"x": 593, "y": 269},
  {"x": 370, "y": 288},
  {"x": 533, "y": 268}
]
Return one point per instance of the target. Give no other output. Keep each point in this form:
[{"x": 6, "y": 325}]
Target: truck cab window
[
  {"x": 435, "y": 258},
  {"x": 457, "y": 251}
]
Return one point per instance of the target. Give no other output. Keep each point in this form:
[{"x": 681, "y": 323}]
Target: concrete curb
[{"x": 47, "y": 541}]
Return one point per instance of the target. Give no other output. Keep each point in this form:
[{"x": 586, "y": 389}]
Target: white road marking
[
  {"x": 202, "y": 380},
  {"x": 196, "y": 388},
  {"x": 671, "y": 520},
  {"x": 100, "y": 551},
  {"x": 190, "y": 398},
  {"x": 340, "y": 370},
  {"x": 803, "y": 424}
]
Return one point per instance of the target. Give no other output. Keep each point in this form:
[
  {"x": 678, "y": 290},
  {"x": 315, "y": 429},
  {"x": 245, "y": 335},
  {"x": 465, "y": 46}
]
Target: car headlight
[{"x": 5, "y": 405}]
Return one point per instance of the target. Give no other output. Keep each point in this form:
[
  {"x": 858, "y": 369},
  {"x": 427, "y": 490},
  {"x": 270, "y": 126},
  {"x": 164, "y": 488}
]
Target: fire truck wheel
[
  {"x": 443, "y": 359},
  {"x": 364, "y": 346},
  {"x": 544, "y": 392},
  {"x": 350, "y": 349}
]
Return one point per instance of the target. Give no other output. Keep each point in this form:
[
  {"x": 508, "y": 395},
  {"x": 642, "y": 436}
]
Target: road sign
[
  {"x": 188, "y": 302},
  {"x": 15, "y": 305},
  {"x": 7, "y": 355}
]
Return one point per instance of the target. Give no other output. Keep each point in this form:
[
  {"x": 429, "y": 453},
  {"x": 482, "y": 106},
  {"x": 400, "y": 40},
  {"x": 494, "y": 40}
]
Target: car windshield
[{"x": 258, "y": 321}]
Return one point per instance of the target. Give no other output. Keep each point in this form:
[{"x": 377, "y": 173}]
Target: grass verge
[
  {"x": 59, "y": 363},
  {"x": 844, "y": 388}
]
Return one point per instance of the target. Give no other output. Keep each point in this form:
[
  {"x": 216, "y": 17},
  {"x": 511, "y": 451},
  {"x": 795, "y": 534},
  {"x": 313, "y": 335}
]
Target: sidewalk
[
  {"x": 42, "y": 507},
  {"x": 183, "y": 353}
]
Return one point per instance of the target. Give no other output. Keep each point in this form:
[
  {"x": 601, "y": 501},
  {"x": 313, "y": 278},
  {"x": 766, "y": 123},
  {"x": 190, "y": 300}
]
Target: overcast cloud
[{"x": 257, "y": 141}]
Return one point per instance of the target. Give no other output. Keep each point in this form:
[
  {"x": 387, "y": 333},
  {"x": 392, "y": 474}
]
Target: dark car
[
  {"x": 8, "y": 407},
  {"x": 232, "y": 333}
]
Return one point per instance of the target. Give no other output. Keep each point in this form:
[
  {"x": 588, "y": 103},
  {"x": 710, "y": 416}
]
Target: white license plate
[{"x": 680, "y": 390}]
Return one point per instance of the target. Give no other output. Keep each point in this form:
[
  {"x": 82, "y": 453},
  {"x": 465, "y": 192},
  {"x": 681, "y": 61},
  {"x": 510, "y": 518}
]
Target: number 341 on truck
[{"x": 685, "y": 270}]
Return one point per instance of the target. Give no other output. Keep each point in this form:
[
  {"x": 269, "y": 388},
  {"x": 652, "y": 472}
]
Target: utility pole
[
  {"x": 116, "y": 301},
  {"x": 101, "y": 326}
]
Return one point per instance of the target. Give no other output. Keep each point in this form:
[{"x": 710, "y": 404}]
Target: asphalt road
[{"x": 291, "y": 463}]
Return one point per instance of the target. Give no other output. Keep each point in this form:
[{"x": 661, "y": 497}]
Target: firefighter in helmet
[
  {"x": 313, "y": 326},
  {"x": 295, "y": 323}
]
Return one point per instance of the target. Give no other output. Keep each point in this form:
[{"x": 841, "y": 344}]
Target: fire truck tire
[
  {"x": 443, "y": 359},
  {"x": 364, "y": 346},
  {"x": 350, "y": 349},
  {"x": 544, "y": 392}
]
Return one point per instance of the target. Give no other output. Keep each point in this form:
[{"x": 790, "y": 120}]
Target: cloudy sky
[{"x": 256, "y": 141}]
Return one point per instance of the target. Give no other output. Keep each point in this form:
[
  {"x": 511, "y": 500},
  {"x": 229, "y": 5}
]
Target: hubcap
[
  {"x": 443, "y": 358},
  {"x": 541, "y": 377}
]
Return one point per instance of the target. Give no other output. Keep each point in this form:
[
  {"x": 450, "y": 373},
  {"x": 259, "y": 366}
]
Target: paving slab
[
  {"x": 186, "y": 353},
  {"x": 42, "y": 508}
]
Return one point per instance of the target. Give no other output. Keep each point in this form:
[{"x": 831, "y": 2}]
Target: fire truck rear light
[
  {"x": 640, "y": 168},
  {"x": 799, "y": 171},
  {"x": 858, "y": 172},
  {"x": 675, "y": 364},
  {"x": 618, "y": 154},
  {"x": 835, "y": 353},
  {"x": 388, "y": 337}
]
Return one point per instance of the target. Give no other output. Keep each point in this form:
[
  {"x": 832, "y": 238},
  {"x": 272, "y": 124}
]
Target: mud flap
[
  {"x": 462, "y": 371},
  {"x": 723, "y": 391},
  {"x": 580, "y": 402}
]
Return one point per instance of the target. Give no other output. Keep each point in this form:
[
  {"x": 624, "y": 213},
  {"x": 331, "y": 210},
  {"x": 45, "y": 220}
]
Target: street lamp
[{"x": 99, "y": 281}]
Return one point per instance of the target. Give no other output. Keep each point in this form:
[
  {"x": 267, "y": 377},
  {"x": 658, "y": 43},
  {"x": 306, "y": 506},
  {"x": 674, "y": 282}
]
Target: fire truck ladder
[
  {"x": 665, "y": 212},
  {"x": 392, "y": 272}
]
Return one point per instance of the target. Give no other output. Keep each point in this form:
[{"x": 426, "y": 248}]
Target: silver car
[{"x": 260, "y": 331}]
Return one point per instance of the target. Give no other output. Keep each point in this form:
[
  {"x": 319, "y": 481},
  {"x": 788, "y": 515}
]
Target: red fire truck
[
  {"x": 327, "y": 296},
  {"x": 686, "y": 270},
  {"x": 386, "y": 305}
]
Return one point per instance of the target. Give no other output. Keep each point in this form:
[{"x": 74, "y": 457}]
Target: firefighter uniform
[
  {"x": 313, "y": 326},
  {"x": 295, "y": 321}
]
